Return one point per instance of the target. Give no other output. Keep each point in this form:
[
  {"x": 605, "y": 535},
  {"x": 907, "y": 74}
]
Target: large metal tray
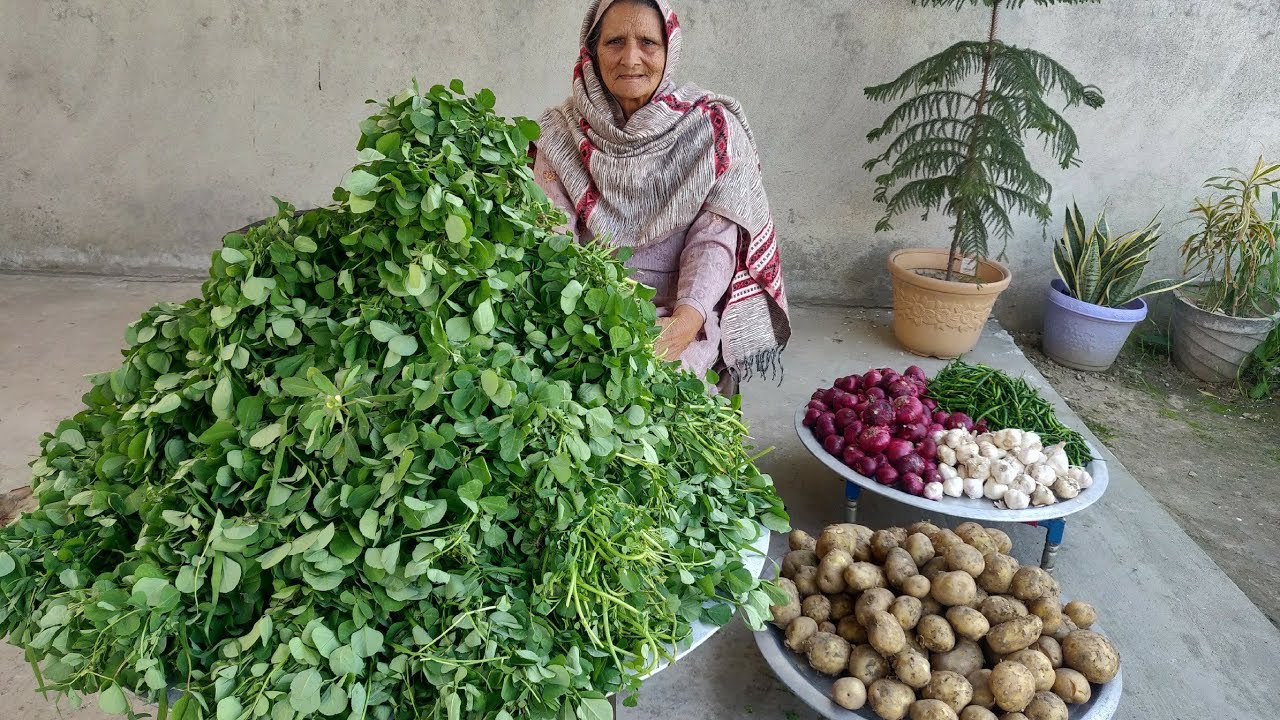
[{"x": 970, "y": 508}]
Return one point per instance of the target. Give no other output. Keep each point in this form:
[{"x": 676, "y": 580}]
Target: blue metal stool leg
[
  {"x": 1053, "y": 540},
  {"x": 851, "y": 493}
]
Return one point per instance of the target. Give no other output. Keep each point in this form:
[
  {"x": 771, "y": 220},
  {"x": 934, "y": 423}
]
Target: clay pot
[
  {"x": 1210, "y": 345},
  {"x": 941, "y": 318}
]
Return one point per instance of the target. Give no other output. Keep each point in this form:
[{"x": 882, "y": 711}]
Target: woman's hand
[{"x": 678, "y": 331}]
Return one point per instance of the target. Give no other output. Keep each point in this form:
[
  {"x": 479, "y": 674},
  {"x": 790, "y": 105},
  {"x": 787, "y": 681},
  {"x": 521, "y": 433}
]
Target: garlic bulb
[
  {"x": 967, "y": 452},
  {"x": 955, "y": 438},
  {"x": 984, "y": 438},
  {"x": 1056, "y": 457},
  {"x": 990, "y": 451},
  {"x": 938, "y": 436},
  {"x": 993, "y": 490},
  {"x": 1029, "y": 456},
  {"x": 1004, "y": 471},
  {"x": 1066, "y": 488},
  {"x": 1042, "y": 473},
  {"x": 946, "y": 456},
  {"x": 933, "y": 491},
  {"x": 1008, "y": 439},
  {"x": 1043, "y": 496},
  {"x": 1024, "y": 484},
  {"x": 1016, "y": 500},
  {"x": 1081, "y": 476},
  {"x": 953, "y": 486},
  {"x": 1031, "y": 440},
  {"x": 978, "y": 468},
  {"x": 948, "y": 472},
  {"x": 973, "y": 488}
]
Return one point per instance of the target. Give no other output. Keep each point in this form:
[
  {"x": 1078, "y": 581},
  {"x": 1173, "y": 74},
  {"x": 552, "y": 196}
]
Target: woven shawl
[{"x": 639, "y": 181}]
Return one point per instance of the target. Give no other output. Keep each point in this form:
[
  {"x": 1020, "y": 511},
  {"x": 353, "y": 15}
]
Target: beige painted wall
[{"x": 136, "y": 132}]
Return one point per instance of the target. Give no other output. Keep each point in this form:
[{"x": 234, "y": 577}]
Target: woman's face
[{"x": 631, "y": 53}]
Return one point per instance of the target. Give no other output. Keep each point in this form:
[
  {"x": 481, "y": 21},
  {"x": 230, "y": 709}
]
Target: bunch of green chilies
[{"x": 985, "y": 393}]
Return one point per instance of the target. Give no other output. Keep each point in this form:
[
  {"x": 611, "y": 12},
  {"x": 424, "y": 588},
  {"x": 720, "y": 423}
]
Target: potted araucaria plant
[
  {"x": 1096, "y": 300},
  {"x": 957, "y": 144},
  {"x": 1233, "y": 257}
]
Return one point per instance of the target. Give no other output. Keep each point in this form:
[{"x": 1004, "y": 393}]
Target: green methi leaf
[{"x": 385, "y": 464}]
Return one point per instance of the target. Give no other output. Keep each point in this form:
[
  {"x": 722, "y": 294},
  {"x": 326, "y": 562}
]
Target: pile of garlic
[{"x": 1011, "y": 467}]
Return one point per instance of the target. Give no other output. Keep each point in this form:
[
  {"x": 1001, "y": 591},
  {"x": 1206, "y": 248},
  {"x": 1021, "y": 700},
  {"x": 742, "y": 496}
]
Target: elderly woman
[{"x": 671, "y": 172}]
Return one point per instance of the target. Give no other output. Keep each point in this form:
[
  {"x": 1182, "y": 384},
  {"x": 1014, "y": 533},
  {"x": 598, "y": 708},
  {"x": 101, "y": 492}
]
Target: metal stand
[
  {"x": 1053, "y": 540},
  {"x": 851, "y": 493}
]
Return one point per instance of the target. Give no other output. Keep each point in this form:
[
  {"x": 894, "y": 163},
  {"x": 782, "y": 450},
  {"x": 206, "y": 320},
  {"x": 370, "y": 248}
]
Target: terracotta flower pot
[{"x": 941, "y": 318}]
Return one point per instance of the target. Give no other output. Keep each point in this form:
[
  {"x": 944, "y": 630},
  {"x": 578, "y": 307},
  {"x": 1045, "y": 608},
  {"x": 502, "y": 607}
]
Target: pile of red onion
[{"x": 881, "y": 424}]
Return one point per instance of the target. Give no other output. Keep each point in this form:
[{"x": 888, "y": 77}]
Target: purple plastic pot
[{"x": 1084, "y": 336}]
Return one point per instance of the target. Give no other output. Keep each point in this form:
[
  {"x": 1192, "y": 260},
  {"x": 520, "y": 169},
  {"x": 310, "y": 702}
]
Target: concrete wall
[{"x": 136, "y": 132}]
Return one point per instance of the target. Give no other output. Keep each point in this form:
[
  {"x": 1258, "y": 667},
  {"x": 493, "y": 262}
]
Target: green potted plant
[
  {"x": 1096, "y": 300},
  {"x": 958, "y": 145},
  {"x": 1219, "y": 322}
]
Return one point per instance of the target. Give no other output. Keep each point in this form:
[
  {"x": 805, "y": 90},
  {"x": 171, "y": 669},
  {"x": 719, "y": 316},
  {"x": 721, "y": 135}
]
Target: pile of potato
[{"x": 935, "y": 624}]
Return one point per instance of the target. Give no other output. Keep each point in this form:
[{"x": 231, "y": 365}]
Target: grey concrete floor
[{"x": 1193, "y": 645}]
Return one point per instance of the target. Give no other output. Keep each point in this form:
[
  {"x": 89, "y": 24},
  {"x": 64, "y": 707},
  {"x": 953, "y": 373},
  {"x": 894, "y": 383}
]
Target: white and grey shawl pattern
[{"x": 639, "y": 181}]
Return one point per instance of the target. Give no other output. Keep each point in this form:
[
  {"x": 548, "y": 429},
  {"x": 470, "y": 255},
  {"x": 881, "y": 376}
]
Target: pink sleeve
[
  {"x": 707, "y": 262},
  {"x": 551, "y": 185}
]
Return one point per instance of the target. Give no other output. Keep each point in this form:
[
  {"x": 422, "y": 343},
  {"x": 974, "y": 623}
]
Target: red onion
[
  {"x": 907, "y": 409},
  {"x": 888, "y": 376},
  {"x": 874, "y": 393},
  {"x": 862, "y": 404},
  {"x": 958, "y": 420},
  {"x": 940, "y": 417},
  {"x": 817, "y": 394},
  {"x": 871, "y": 379},
  {"x": 818, "y": 405},
  {"x": 852, "y": 431},
  {"x": 897, "y": 449},
  {"x": 981, "y": 426},
  {"x": 929, "y": 404},
  {"x": 915, "y": 372},
  {"x": 927, "y": 449},
  {"x": 865, "y": 466},
  {"x": 935, "y": 428},
  {"x": 886, "y": 475},
  {"x": 909, "y": 463},
  {"x": 845, "y": 416},
  {"x": 833, "y": 444},
  {"x": 811, "y": 416},
  {"x": 901, "y": 388},
  {"x": 878, "y": 413},
  {"x": 825, "y": 425},
  {"x": 912, "y": 483},
  {"x": 849, "y": 383},
  {"x": 874, "y": 438},
  {"x": 915, "y": 432},
  {"x": 851, "y": 454},
  {"x": 846, "y": 401},
  {"x": 933, "y": 475}
]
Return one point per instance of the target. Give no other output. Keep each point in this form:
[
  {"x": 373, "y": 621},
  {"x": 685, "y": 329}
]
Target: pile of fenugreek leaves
[{"x": 409, "y": 456}]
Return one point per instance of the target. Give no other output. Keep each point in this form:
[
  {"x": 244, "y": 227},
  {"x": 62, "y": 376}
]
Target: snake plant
[{"x": 1104, "y": 270}]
